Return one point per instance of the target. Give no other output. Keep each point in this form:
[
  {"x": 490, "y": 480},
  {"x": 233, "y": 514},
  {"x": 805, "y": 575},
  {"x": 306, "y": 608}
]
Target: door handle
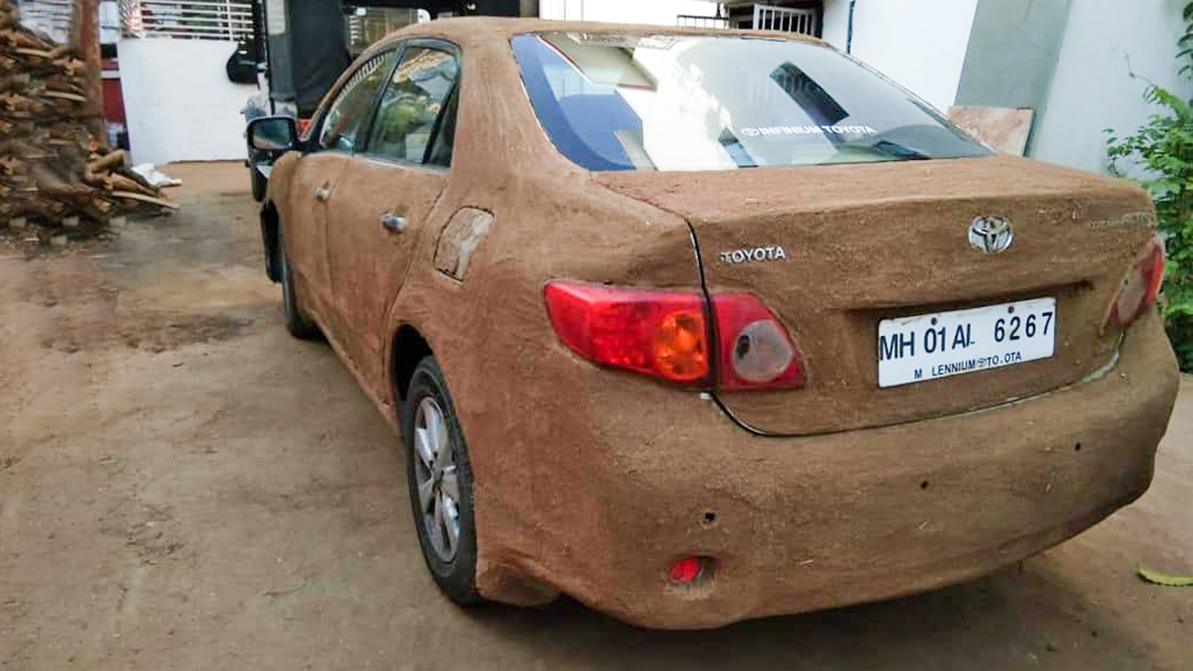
[
  {"x": 393, "y": 223},
  {"x": 323, "y": 193}
]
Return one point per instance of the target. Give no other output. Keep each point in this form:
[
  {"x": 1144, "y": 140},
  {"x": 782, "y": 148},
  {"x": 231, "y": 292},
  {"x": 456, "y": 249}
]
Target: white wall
[
  {"x": 1092, "y": 88},
  {"x": 920, "y": 44},
  {"x": 179, "y": 102},
  {"x": 658, "y": 12}
]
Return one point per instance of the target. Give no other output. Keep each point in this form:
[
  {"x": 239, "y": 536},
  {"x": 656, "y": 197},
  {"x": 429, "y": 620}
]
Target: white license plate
[{"x": 931, "y": 346}]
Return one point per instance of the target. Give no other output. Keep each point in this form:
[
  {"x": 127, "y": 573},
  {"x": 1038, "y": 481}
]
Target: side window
[
  {"x": 348, "y": 115},
  {"x": 415, "y": 109}
]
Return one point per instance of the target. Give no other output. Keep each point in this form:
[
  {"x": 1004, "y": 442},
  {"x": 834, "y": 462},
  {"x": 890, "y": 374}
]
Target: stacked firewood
[{"x": 55, "y": 174}]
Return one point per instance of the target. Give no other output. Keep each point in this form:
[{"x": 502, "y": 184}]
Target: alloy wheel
[{"x": 437, "y": 479}]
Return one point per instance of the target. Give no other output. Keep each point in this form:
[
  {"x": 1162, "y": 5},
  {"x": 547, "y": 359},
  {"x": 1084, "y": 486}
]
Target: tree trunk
[{"x": 85, "y": 33}]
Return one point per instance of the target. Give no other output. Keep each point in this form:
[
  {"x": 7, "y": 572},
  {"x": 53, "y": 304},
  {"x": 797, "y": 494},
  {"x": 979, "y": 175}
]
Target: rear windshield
[{"x": 673, "y": 102}]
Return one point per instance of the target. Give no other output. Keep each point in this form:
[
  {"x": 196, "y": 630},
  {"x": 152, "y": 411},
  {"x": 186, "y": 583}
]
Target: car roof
[{"x": 468, "y": 31}]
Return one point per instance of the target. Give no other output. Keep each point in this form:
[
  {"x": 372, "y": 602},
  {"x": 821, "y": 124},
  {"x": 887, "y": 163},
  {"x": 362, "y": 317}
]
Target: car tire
[
  {"x": 297, "y": 322},
  {"x": 437, "y": 468}
]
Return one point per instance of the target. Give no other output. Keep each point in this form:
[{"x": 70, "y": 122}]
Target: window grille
[
  {"x": 366, "y": 25},
  {"x": 188, "y": 19},
  {"x": 690, "y": 21},
  {"x": 785, "y": 19},
  {"x": 51, "y": 17}
]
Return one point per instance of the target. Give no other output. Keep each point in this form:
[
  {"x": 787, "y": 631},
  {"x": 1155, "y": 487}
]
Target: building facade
[{"x": 1081, "y": 66}]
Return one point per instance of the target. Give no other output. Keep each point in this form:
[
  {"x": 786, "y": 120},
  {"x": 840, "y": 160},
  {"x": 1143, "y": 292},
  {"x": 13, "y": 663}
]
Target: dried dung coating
[
  {"x": 592, "y": 482},
  {"x": 460, "y": 239},
  {"x": 847, "y": 232}
]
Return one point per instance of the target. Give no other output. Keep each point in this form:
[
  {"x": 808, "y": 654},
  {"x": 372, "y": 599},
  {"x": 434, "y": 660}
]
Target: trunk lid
[{"x": 864, "y": 243}]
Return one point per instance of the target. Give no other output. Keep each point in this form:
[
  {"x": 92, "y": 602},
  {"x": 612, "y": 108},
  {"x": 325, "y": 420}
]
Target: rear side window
[
  {"x": 416, "y": 117},
  {"x": 345, "y": 120},
  {"x": 613, "y": 101}
]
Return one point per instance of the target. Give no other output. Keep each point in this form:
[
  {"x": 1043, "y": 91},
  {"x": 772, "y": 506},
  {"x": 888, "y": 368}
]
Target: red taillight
[
  {"x": 661, "y": 333},
  {"x": 1140, "y": 287},
  {"x": 666, "y": 334},
  {"x": 756, "y": 350}
]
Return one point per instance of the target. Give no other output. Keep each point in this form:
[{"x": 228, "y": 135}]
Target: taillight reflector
[
  {"x": 1140, "y": 287},
  {"x": 688, "y": 570},
  {"x": 756, "y": 351}
]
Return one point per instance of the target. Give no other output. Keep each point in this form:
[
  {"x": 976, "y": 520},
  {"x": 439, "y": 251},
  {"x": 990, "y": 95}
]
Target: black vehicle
[{"x": 305, "y": 44}]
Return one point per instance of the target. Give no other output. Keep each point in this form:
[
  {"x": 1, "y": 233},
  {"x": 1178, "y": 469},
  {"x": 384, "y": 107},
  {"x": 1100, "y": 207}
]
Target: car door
[
  {"x": 318, "y": 174},
  {"x": 388, "y": 193}
]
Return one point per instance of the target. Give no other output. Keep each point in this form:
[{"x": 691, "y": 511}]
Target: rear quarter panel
[{"x": 527, "y": 414}]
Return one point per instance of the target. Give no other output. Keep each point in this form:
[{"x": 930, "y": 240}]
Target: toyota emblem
[{"x": 991, "y": 235}]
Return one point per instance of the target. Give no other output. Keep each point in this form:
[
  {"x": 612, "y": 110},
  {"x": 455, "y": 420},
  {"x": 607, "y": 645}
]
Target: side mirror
[{"x": 273, "y": 133}]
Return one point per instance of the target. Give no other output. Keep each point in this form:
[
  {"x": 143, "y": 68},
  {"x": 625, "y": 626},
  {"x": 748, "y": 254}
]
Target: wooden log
[
  {"x": 55, "y": 169},
  {"x": 60, "y": 95},
  {"x": 110, "y": 161},
  {"x": 118, "y": 182},
  {"x": 24, "y": 39},
  {"x": 145, "y": 199},
  {"x": 140, "y": 180},
  {"x": 15, "y": 82},
  {"x": 29, "y": 51}
]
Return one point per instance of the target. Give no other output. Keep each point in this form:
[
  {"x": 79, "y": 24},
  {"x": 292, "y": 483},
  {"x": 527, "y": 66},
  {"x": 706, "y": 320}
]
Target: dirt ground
[{"x": 184, "y": 486}]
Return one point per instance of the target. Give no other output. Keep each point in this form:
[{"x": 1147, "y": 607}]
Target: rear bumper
[{"x": 798, "y": 524}]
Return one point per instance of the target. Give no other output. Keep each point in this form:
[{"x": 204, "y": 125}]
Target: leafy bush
[{"x": 1164, "y": 147}]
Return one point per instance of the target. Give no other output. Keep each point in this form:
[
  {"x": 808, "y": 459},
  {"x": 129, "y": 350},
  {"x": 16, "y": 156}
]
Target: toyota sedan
[{"x": 701, "y": 326}]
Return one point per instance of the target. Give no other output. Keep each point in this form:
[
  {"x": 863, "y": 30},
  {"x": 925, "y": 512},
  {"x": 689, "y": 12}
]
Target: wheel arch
[{"x": 408, "y": 346}]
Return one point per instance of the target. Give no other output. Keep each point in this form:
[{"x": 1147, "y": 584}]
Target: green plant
[{"x": 1163, "y": 147}]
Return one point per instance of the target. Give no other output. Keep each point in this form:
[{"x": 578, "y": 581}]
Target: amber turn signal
[{"x": 680, "y": 349}]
